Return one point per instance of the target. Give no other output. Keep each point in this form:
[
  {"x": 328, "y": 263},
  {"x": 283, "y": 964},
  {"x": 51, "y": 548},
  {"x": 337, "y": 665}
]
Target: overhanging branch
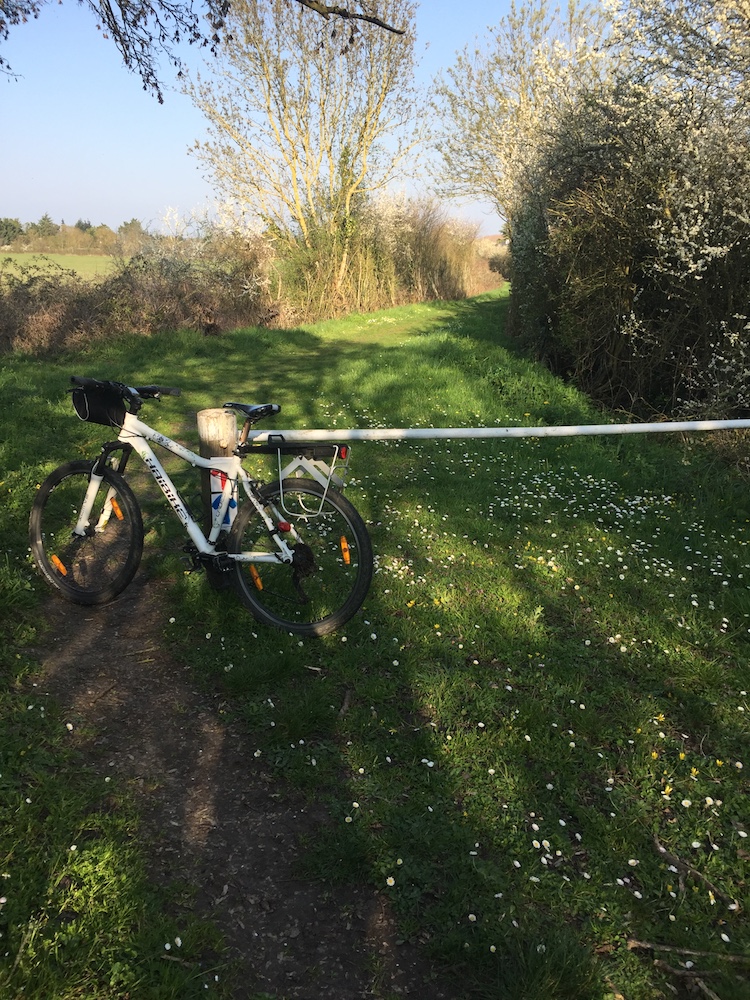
[{"x": 333, "y": 10}]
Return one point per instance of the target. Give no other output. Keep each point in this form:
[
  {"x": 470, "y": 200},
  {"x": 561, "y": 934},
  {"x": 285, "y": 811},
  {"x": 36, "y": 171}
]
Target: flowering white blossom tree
[
  {"x": 498, "y": 101},
  {"x": 623, "y": 170},
  {"x": 703, "y": 45}
]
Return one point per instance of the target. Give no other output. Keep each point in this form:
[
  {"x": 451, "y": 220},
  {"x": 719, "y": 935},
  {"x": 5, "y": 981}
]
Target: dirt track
[{"x": 211, "y": 817}]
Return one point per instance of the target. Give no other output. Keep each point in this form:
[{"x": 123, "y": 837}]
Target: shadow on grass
[{"x": 478, "y": 750}]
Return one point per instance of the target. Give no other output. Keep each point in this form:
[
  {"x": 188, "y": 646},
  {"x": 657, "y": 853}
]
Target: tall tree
[
  {"x": 10, "y": 229},
  {"x": 45, "y": 226},
  {"x": 300, "y": 126},
  {"x": 144, "y": 30}
]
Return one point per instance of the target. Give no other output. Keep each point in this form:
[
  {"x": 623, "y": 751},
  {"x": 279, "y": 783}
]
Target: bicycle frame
[{"x": 136, "y": 434}]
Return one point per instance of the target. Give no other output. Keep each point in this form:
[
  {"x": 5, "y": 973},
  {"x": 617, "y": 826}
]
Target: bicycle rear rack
[{"x": 326, "y": 464}]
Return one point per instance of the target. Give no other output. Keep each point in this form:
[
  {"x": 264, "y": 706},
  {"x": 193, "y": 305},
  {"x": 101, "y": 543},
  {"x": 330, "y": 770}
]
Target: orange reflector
[
  {"x": 345, "y": 552},
  {"x": 116, "y": 508},
  {"x": 58, "y": 565},
  {"x": 256, "y": 578}
]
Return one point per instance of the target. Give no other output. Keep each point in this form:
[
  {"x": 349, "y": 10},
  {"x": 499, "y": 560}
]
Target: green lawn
[
  {"x": 84, "y": 265},
  {"x": 534, "y": 740}
]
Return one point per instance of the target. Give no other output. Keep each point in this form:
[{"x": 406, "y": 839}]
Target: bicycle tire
[
  {"x": 332, "y": 575},
  {"x": 93, "y": 569}
]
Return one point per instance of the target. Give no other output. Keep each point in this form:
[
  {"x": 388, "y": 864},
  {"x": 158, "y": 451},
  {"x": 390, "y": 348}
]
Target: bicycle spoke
[
  {"x": 332, "y": 566},
  {"x": 95, "y": 567}
]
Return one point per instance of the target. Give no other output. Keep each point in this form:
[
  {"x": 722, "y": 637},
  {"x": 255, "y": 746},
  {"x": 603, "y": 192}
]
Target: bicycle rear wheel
[
  {"x": 332, "y": 568},
  {"x": 94, "y": 568}
]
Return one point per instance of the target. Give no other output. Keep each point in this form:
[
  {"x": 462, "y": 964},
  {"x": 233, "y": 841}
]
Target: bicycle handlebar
[{"x": 130, "y": 391}]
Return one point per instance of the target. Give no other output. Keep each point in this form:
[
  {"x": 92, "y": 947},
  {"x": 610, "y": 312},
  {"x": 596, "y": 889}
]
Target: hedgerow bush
[
  {"x": 631, "y": 248},
  {"x": 209, "y": 283},
  {"x": 614, "y": 139},
  {"x": 44, "y": 306},
  {"x": 388, "y": 253},
  {"x": 429, "y": 254},
  {"x": 214, "y": 282},
  {"x": 632, "y": 273}
]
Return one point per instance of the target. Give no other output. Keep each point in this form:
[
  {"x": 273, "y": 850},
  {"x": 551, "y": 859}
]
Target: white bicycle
[{"x": 297, "y": 551}]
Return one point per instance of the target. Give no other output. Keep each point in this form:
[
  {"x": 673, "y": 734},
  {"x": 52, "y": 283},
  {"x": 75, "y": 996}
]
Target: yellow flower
[{"x": 719, "y": 763}]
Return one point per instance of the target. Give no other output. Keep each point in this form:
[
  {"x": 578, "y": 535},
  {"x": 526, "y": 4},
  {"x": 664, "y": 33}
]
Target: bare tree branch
[
  {"x": 687, "y": 869},
  {"x": 144, "y": 30},
  {"x": 346, "y": 14},
  {"x": 636, "y": 945}
]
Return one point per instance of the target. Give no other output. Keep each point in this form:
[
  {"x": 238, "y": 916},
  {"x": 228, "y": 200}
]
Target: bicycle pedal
[
  {"x": 220, "y": 563},
  {"x": 191, "y": 560},
  {"x": 219, "y": 572}
]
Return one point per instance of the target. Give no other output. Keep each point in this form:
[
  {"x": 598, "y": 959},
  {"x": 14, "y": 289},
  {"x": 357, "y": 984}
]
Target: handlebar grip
[{"x": 157, "y": 390}]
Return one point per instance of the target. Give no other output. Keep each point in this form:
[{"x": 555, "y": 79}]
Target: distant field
[{"x": 85, "y": 265}]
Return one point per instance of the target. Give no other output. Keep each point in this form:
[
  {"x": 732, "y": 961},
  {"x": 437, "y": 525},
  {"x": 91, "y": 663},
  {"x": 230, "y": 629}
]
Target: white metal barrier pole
[{"x": 426, "y": 433}]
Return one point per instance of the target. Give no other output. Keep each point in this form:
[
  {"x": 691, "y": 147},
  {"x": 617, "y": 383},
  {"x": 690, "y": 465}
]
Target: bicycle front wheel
[
  {"x": 95, "y": 567},
  {"x": 332, "y": 568}
]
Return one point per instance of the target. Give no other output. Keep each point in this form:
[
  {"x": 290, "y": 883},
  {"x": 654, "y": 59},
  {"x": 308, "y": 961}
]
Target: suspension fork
[
  {"x": 95, "y": 481},
  {"x": 109, "y": 449}
]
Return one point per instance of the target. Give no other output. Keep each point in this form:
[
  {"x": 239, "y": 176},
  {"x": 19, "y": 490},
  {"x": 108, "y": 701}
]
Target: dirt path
[{"x": 212, "y": 818}]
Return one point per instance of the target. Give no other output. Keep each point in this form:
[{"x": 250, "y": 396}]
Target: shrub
[
  {"x": 631, "y": 264},
  {"x": 45, "y": 307},
  {"x": 391, "y": 251},
  {"x": 209, "y": 284},
  {"x": 614, "y": 139},
  {"x": 432, "y": 253}
]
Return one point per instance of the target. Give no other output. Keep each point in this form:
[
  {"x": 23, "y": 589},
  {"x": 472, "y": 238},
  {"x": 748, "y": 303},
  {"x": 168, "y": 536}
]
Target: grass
[
  {"x": 78, "y": 914},
  {"x": 84, "y": 265},
  {"x": 533, "y": 742}
]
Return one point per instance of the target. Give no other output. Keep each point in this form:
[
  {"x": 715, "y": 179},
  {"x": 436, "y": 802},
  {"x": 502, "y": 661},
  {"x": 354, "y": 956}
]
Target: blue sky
[{"x": 82, "y": 140}]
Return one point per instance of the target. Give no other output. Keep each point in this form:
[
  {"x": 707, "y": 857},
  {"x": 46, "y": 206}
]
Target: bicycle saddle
[{"x": 254, "y": 413}]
